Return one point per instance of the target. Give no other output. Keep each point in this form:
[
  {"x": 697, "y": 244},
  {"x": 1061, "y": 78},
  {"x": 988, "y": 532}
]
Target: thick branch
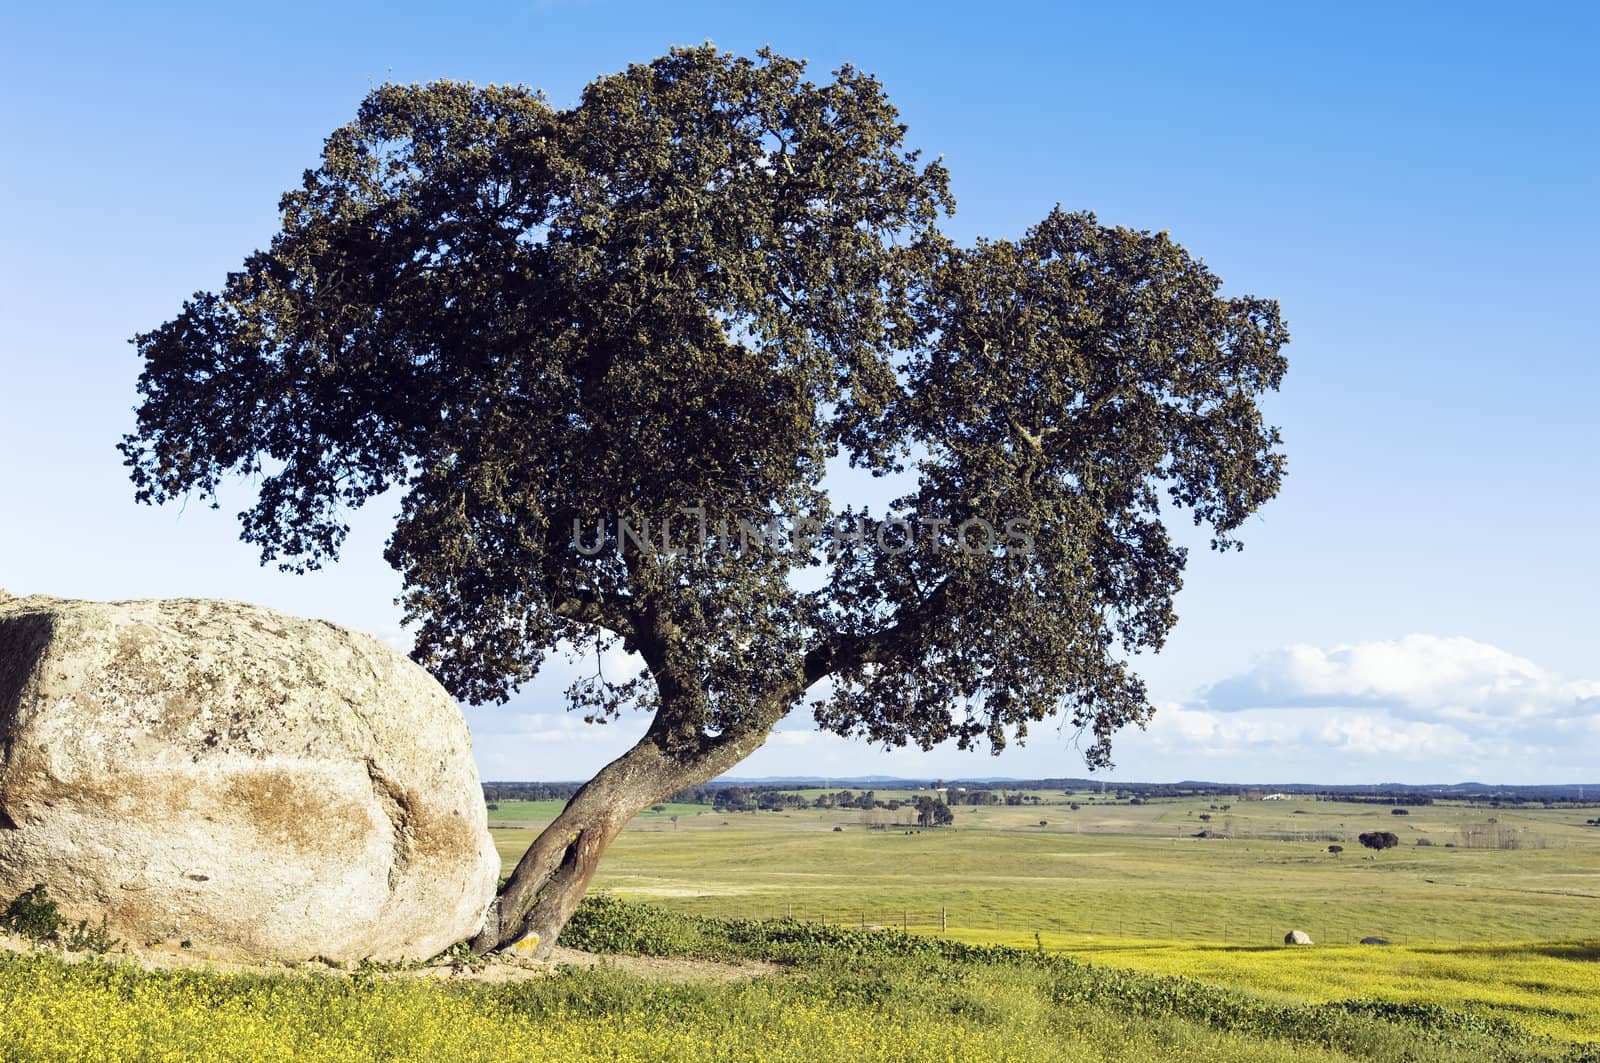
[{"x": 841, "y": 652}]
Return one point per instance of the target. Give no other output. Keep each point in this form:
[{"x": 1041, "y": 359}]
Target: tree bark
[{"x": 550, "y": 879}]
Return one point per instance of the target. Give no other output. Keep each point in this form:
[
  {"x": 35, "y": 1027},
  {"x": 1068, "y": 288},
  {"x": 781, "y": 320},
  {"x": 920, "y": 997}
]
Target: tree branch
[
  {"x": 837, "y": 652},
  {"x": 590, "y": 607}
]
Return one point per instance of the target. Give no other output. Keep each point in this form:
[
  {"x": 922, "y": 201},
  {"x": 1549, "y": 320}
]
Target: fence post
[
  {"x": 943, "y": 920},
  {"x": 905, "y": 921}
]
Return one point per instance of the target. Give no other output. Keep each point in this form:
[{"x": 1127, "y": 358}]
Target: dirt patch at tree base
[{"x": 492, "y": 970}]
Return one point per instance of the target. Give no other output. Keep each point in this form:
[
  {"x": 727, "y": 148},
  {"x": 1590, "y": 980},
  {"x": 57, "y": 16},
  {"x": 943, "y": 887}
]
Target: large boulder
[
  {"x": 1297, "y": 937},
  {"x": 258, "y": 784}
]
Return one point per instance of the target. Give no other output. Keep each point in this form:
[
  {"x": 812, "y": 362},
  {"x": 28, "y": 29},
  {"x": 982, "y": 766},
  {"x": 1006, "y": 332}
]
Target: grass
[
  {"x": 50, "y": 1010},
  {"x": 1181, "y": 935},
  {"x": 1549, "y": 988},
  {"x": 1360, "y": 1023},
  {"x": 1129, "y": 886},
  {"x": 846, "y": 995},
  {"x": 1122, "y": 871}
]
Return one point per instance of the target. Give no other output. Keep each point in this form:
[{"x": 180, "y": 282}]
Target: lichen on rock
[{"x": 226, "y": 774}]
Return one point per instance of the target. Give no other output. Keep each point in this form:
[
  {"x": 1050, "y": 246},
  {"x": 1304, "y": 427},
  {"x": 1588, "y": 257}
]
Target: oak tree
[
  {"x": 555, "y": 330},
  {"x": 1379, "y": 840}
]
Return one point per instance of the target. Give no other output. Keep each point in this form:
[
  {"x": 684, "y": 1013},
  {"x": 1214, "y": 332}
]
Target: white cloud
[
  {"x": 1271, "y": 734},
  {"x": 1422, "y": 707},
  {"x": 1425, "y": 677},
  {"x": 1375, "y": 734}
]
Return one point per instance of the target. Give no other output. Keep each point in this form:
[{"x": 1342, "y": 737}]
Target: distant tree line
[
  {"x": 930, "y": 811},
  {"x": 1034, "y": 791},
  {"x": 963, "y": 796},
  {"x": 1413, "y": 800},
  {"x": 495, "y": 792},
  {"x": 922, "y": 811}
]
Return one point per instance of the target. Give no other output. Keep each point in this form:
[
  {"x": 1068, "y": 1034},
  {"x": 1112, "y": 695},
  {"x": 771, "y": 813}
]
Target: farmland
[
  {"x": 1130, "y": 885},
  {"x": 1122, "y": 871},
  {"x": 1027, "y": 931}
]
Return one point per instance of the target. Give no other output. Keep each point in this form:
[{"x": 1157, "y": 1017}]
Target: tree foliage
[
  {"x": 696, "y": 287},
  {"x": 933, "y": 812},
  {"x": 1379, "y": 840}
]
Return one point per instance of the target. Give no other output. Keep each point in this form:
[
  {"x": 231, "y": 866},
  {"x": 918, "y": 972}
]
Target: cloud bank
[
  {"x": 1423, "y": 708},
  {"x": 1419, "y": 708},
  {"x": 1419, "y": 676}
]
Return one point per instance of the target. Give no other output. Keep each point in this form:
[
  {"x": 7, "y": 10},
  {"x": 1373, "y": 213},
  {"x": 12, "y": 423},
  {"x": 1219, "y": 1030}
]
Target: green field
[
  {"x": 832, "y": 993},
  {"x": 1109, "y": 932},
  {"x": 1123, "y": 871},
  {"x": 1129, "y": 885}
]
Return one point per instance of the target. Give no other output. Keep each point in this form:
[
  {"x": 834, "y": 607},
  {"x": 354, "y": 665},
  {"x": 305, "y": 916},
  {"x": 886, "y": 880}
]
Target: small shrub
[
  {"x": 603, "y": 923},
  {"x": 1399, "y": 812},
  {"x": 86, "y": 938},
  {"x": 1424, "y": 841},
  {"x": 1335, "y": 849},
  {"x": 33, "y": 915}
]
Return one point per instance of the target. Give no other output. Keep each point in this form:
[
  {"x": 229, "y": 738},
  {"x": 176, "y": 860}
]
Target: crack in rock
[{"x": 396, "y": 805}]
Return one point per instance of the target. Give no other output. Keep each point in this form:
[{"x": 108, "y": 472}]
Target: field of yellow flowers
[
  {"x": 843, "y": 994},
  {"x": 1551, "y": 988},
  {"x": 51, "y": 1010}
]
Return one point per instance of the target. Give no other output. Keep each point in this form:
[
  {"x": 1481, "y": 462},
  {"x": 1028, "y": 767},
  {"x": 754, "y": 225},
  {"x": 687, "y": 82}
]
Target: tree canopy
[
  {"x": 682, "y": 298},
  {"x": 1379, "y": 840}
]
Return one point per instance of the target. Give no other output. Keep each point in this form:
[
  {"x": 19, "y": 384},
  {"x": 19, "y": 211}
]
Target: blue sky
[{"x": 1417, "y": 185}]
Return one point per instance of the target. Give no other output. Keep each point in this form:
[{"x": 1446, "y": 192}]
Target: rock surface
[
  {"x": 1297, "y": 937},
  {"x": 252, "y": 782}
]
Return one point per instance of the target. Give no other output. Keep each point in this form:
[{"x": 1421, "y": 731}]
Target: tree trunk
[{"x": 550, "y": 879}]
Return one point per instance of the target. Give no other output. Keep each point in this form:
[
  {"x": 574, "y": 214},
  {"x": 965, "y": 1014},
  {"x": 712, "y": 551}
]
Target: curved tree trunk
[{"x": 550, "y": 879}]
